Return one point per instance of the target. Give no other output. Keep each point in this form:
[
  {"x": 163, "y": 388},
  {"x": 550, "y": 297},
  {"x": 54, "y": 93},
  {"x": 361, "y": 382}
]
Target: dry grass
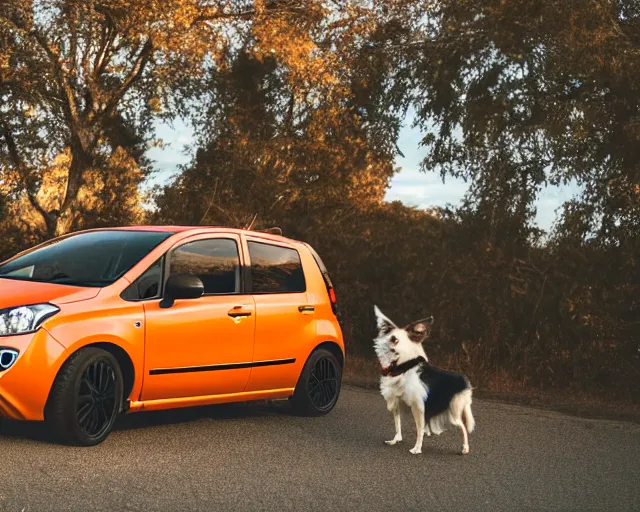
[{"x": 365, "y": 373}]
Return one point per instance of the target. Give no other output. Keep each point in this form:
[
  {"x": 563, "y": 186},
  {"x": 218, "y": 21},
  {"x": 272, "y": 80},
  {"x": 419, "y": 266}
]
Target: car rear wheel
[
  {"x": 318, "y": 387},
  {"x": 86, "y": 398}
]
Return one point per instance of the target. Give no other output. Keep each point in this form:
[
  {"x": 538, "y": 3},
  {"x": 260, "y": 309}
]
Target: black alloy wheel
[
  {"x": 85, "y": 398},
  {"x": 319, "y": 384},
  {"x": 96, "y": 404},
  {"x": 323, "y": 384}
]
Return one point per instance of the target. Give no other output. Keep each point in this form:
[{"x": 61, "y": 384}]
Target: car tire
[
  {"x": 85, "y": 399},
  {"x": 318, "y": 387}
]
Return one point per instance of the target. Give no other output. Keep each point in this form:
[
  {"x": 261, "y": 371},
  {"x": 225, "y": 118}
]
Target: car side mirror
[{"x": 181, "y": 286}]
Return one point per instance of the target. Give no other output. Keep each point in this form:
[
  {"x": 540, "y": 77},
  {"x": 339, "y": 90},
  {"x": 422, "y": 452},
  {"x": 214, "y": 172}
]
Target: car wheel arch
[
  {"x": 125, "y": 362},
  {"x": 332, "y": 347}
]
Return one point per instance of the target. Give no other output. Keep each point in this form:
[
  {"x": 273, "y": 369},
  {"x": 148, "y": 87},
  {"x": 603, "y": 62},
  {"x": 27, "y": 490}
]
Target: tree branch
[
  {"x": 12, "y": 147},
  {"x": 54, "y": 57},
  {"x": 87, "y": 49},
  {"x": 73, "y": 45},
  {"x": 135, "y": 73},
  {"x": 104, "y": 55},
  {"x": 288, "y": 122},
  {"x": 22, "y": 170},
  {"x": 247, "y": 15},
  {"x": 109, "y": 33}
]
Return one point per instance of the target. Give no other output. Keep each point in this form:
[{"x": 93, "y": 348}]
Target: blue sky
[{"x": 410, "y": 186}]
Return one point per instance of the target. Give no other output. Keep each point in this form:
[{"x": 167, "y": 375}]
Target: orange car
[{"x": 101, "y": 322}]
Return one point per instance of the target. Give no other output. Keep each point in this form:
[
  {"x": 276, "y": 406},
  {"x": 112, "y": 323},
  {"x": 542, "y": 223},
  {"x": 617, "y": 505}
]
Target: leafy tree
[
  {"x": 516, "y": 95},
  {"x": 513, "y": 96},
  {"x": 78, "y": 76},
  {"x": 276, "y": 148}
]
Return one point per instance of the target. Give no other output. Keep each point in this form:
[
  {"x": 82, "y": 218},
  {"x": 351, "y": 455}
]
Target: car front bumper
[{"x": 25, "y": 386}]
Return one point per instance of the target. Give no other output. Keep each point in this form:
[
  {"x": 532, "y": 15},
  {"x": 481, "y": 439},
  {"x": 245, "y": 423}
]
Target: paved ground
[{"x": 258, "y": 457}]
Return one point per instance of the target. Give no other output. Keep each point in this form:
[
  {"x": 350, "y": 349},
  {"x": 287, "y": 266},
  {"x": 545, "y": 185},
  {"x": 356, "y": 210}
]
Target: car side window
[
  {"x": 275, "y": 269},
  {"x": 215, "y": 261},
  {"x": 148, "y": 285}
]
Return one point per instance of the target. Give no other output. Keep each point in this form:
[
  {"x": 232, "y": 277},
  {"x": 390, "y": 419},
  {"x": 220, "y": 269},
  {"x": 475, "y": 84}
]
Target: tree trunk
[
  {"x": 51, "y": 220},
  {"x": 80, "y": 146}
]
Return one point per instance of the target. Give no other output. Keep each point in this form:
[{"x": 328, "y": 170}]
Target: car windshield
[{"x": 95, "y": 259}]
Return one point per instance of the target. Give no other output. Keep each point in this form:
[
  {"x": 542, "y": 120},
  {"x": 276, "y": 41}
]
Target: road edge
[{"x": 569, "y": 409}]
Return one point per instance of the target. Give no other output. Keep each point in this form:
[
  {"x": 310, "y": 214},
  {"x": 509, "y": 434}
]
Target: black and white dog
[{"x": 437, "y": 398}]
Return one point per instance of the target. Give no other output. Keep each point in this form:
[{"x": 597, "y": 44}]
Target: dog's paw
[
  {"x": 393, "y": 441},
  {"x": 415, "y": 450},
  {"x": 465, "y": 449}
]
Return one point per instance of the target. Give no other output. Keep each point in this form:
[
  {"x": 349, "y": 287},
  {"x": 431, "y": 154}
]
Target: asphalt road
[{"x": 259, "y": 457}]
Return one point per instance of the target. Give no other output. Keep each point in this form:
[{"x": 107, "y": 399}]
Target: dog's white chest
[{"x": 406, "y": 387}]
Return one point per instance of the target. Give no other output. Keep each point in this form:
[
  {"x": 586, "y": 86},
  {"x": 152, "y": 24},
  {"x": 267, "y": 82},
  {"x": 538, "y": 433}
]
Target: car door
[
  {"x": 203, "y": 346},
  {"x": 282, "y": 324}
]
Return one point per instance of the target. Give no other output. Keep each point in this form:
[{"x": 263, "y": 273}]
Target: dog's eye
[{"x": 393, "y": 340}]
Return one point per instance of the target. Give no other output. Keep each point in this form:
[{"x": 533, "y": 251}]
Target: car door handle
[
  {"x": 306, "y": 310},
  {"x": 238, "y": 312}
]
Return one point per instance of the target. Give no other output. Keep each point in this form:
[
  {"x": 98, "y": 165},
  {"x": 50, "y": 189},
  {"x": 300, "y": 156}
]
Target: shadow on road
[
  {"x": 190, "y": 414},
  {"x": 37, "y": 431}
]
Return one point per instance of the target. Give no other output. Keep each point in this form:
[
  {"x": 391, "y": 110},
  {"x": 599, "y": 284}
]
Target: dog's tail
[{"x": 467, "y": 415}]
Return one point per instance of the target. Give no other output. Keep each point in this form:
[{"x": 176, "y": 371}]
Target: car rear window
[{"x": 275, "y": 269}]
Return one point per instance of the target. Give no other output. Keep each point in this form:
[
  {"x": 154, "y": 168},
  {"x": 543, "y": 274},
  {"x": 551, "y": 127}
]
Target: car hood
[{"x": 14, "y": 292}]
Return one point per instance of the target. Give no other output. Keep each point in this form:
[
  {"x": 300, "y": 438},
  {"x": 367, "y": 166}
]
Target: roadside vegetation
[{"x": 297, "y": 107}]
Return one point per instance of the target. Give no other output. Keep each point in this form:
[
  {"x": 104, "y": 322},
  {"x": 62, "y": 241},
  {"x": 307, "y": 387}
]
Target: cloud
[
  {"x": 415, "y": 188},
  {"x": 167, "y": 160}
]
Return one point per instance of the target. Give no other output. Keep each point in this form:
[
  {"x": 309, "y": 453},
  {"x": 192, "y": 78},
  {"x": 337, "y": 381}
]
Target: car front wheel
[
  {"x": 86, "y": 398},
  {"x": 318, "y": 387}
]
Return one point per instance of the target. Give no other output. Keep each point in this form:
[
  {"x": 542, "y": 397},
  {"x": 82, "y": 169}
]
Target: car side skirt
[{"x": 174, "y": 403}]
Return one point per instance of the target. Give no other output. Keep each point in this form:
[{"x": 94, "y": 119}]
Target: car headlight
[{"x": 25, "y": 319}]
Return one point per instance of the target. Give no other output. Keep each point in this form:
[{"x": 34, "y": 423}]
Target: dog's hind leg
[
  {"x": 394, "y": 408},
  {"x": 417, "y": 409},
  {"x": 458, "y": 417},
  {"x": 469, "y": 420},
  {"x": 465, "y": 438}
]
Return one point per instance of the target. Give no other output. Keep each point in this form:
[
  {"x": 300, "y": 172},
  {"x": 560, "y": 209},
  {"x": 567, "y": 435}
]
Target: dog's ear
[
  {"x": 419, "y": 330},
  {"x": 385, "y": 326}
]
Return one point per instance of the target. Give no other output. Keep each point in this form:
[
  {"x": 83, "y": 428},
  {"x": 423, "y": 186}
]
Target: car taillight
[
  {"x": 332, "y": 296},
  {"x": 327, "y": 280},
  {"x": 333, "y": 299}
]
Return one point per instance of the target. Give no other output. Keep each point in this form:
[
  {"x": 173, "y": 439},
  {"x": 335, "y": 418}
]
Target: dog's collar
[{"x": 395, "y": 369}]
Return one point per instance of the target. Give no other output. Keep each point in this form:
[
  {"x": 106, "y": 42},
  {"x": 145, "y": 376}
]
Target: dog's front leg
[
  {"x": 417, "y": 409},
  {"x": 394, "y": 408}
]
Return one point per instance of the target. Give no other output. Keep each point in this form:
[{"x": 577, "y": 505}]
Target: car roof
[{"x": 200, "y": 229}]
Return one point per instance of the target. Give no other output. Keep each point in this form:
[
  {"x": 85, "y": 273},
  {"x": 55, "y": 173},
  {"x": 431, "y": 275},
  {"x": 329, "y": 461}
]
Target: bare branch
[
  {"x": 246, "y": 15},
  {"x": 73, "y": 47},
  {"x": 108, "y": 37},
  {"x": 212, "y": 200},
  {"x": 104, "y": 55},
  {"x": 89, "y": 38},
  {"x": 251, "y": 224}
]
